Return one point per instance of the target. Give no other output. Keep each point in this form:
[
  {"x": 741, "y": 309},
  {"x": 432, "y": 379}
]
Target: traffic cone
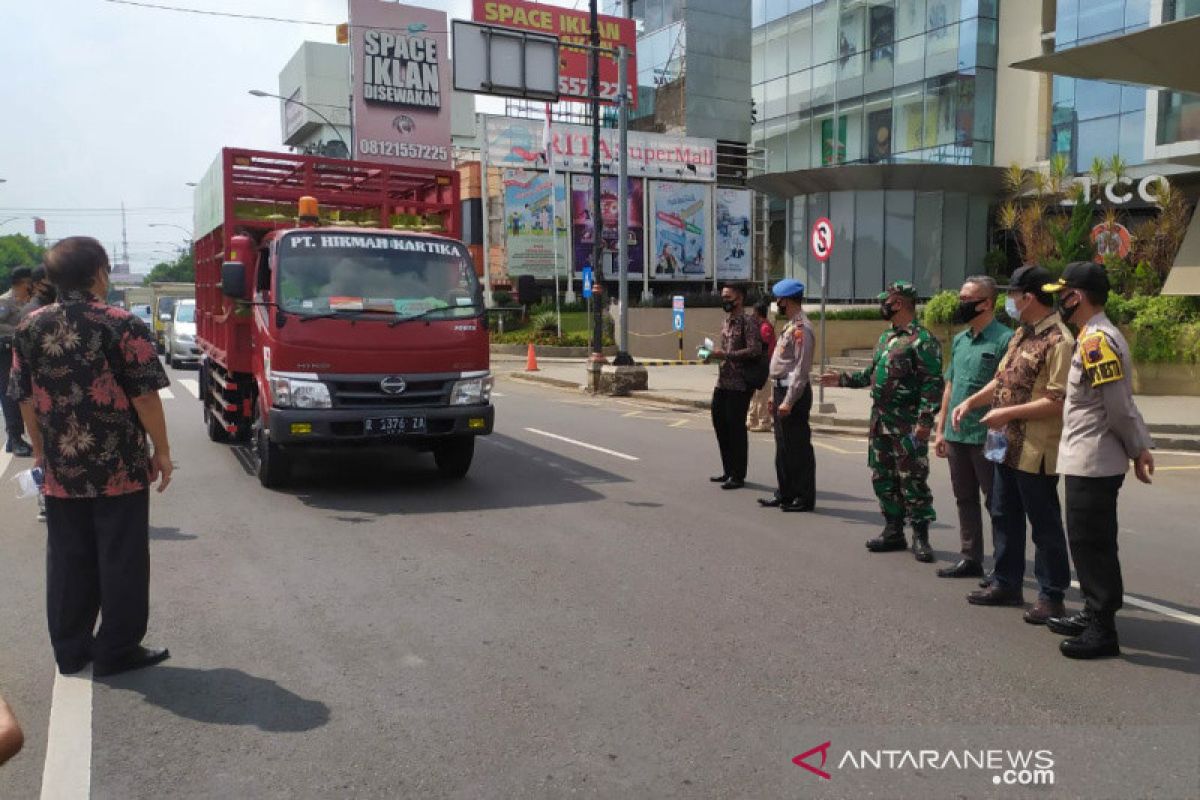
[{"x": 531, "y": 360}]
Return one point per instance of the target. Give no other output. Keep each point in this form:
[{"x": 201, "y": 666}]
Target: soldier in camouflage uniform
[{"x": 905, "y": 377}]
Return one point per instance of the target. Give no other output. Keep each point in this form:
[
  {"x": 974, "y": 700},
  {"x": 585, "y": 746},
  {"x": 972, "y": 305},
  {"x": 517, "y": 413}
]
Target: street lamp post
[{"x": 261, "y": 93}]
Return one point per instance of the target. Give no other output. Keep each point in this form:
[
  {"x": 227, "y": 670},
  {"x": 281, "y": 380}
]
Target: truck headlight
[
  {"x": 294, "y": 393},
  {"x": 472, "y": 391}
]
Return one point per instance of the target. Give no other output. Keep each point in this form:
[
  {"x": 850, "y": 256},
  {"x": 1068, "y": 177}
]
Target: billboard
[
  {"x": 401, "y": 83},
  {"x": 584, "y": 229},
  {"x": 679, "y": 219},
  {"x": 533, "y": 208},
  {"x": 572, "y": 28},
  {"x": 518, "y": 143},
  {"x": 733, "y": 234}
]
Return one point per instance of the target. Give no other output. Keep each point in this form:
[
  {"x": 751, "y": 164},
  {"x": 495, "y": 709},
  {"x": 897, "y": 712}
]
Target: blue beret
[{"x": 788, "y": 287}]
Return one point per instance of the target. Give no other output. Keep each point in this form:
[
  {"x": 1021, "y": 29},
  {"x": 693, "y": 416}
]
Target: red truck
[{"x": 336, "y": 308}]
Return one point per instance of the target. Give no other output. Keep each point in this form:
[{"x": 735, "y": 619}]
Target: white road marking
[
  {"x": 192, "y": 385},
  {"x": 498, "y": 394},
  {"x": 68, "y": 770},
  {"x": 4, "y": 459},
  {"x": 1149, "y": 605},
  {"x": 577, "y": 443},
  {"x": 166, "y": 394}
]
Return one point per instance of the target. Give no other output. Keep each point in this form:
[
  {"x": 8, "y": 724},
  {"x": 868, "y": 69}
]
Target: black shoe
[
  {"x": 71, "y": 667},
  {"x": 139, "y": 658},
  {"x": 733, "y": 483},
  {"x": 1071, "y": 626},
  {"x": 796, "y": 507},
  {"x": 1095, "y": 642},
  {"x": 920, "y": 544},
  {"x": 18, "y": 448},
  {"x": 967, "y": 568},
  {"x": 890, "y": 539},
  {"x": 996, "y": 595},
  {"x": 770, "y": 502},
  {"x": 719, "y": 478},
  {"x": 987, "y": 580}
]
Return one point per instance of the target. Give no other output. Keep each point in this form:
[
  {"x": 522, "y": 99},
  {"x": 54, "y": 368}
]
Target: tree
[
  {"x": 181, "y": 270},
  {"x": 17, "y": 250}
]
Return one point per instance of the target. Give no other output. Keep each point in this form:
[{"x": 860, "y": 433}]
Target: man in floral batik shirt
[{"x": 87, "y": 377}]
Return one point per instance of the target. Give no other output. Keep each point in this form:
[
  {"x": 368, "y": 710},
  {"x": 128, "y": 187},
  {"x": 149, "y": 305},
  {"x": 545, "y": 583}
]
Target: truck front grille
[{"x": 368, "y": 394}]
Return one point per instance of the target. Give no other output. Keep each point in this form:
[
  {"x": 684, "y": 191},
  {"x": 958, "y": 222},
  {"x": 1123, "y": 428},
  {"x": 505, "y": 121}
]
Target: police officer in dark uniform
[{"x": 791, "y": 403}]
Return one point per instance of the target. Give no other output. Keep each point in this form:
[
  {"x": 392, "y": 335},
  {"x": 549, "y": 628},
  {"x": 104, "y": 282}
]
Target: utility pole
[
  {"x": 124, "y": 242},
  {"x": 623, "y": 358},
  {"x": 597, "y": 220}
]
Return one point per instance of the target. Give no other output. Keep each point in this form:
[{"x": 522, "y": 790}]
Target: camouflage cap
[{"x": 899, "y": 287}]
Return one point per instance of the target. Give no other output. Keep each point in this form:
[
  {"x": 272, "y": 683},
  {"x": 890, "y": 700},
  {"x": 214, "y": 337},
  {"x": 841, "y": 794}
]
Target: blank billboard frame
[{"x": 505, "y": 62}]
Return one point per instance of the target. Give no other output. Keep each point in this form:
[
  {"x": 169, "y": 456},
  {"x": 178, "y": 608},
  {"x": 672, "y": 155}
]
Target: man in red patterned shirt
[{"x": 87, "y": 377}]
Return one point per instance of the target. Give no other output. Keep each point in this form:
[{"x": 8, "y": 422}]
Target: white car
[{"x": 181, "y": 335}]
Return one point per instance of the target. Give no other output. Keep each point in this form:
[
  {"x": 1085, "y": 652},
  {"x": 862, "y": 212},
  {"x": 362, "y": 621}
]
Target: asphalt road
[{"x": 594, "y": 622}]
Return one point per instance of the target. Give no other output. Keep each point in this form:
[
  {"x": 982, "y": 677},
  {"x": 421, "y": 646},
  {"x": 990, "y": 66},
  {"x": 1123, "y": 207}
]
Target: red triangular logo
[{"x": 823, "y": 749}]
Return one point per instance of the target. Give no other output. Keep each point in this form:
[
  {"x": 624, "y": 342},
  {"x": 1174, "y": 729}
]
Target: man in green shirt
[{"x": 974, "y": 356}]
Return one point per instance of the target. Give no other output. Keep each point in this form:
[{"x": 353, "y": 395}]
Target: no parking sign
[{"x": 821, "y": 241}]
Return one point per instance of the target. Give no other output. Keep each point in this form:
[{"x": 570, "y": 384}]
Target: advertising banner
[
  {"x": 572, "y": 28},
  {"x": 679, "y": 219},
  {"x": 733, "y": 234},
  {"x": 401, "y": 83},
  {"x": 531, "y": 213},
  {"x": 583, "y": 228},
  {"x": 518, "y": 143}
]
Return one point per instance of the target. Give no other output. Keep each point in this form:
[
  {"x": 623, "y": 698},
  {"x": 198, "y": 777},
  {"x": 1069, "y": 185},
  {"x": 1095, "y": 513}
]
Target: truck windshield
[
  {"x": 185, "y": 312},
  {"x": 401, "y": 276}
]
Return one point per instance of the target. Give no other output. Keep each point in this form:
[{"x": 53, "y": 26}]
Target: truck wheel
[
  {"x": 216, "y": 431},
  {"x": 453, "y": 458},
  {"x": 274, "y": 466}
]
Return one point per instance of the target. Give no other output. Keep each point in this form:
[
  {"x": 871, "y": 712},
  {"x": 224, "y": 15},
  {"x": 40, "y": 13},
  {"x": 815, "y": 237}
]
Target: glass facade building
[
  {"x": 869, "y": 81},
  {"x": 876, "y": 82}
]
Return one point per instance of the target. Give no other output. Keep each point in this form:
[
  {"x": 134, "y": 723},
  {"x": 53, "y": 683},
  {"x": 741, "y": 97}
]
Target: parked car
[{"x": 181, "y": 335}]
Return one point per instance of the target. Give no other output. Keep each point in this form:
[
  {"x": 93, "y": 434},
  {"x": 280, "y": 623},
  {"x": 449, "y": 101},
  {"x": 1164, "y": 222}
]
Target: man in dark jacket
[{"x": 741, "y": 342}]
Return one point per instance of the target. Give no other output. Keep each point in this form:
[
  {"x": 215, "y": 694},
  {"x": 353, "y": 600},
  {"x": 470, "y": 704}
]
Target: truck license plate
[{"x": 386, "y": 426}]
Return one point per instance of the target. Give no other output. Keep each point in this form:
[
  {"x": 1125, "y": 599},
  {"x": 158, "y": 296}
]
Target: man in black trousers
[
  {"x": 87, "y": 377},
  {"x": 791, "y": 403},
  {"x": 1102, "y": 432},
  {"x": 740, "y": 343}
]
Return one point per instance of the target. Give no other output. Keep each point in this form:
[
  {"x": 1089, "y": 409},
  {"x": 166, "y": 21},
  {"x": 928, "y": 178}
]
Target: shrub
[
  {"x": 1166, "y": 328},
  {"x": 995, "y": 263},
  {"x": 502, "y": 299},
  {"x": 940, "y": 309},
  {"x": 545, "y": 322}
]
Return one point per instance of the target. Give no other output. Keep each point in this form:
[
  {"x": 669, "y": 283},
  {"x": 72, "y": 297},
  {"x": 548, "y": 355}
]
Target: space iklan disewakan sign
[
  {"x": 400, "y": 66},
  {"x": 518, "y": 143}
]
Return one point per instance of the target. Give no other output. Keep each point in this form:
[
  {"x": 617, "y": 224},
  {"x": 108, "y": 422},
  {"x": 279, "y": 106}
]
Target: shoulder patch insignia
[
  {"x": 798, "y": 333},
  {"x": 1100, "y": 361}
]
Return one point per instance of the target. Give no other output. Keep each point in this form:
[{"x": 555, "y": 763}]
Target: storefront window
[
  {"x": 1178, "y": 117},
  {"x": 901, "y": 221},
  {"x": 841, "y": 263},
  {"x": 927, "y": 257},
  {"x": 869, "y": 242}
]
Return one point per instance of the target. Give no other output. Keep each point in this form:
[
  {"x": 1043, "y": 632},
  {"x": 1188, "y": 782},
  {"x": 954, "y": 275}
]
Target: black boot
[
  {"x": 920, "y": 545},
  {"x": 1098, "y": 641},
  {"x": 891, "y": 538},
  {"x": 1073, "y": 625}
]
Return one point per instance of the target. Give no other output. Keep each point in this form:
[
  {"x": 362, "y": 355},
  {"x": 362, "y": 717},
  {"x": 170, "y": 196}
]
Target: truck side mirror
[{"x": 233, "y": 279}]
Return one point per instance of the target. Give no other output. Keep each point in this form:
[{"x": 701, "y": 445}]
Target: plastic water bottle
[{"x": 996, "y": 445}]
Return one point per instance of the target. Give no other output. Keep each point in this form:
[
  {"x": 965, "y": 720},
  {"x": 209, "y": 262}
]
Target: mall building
[{"x": 897, "y": 118}]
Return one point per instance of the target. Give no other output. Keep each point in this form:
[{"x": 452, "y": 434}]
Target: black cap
[
  {"x": 1086, "y": 275},
  {"x": 38, "y": 274},
  {"x": 20, "y": 274},
  {"x": 1029, "y": 278}
]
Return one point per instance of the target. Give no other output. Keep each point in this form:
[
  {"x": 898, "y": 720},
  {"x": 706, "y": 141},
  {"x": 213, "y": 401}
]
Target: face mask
[
  {"x": 965, "y": 312},
  {"x": 728, "y": 305},
  {"x": 1067, "y": 311},
  {"x": 1010, "y": 308},
  {"x": 886, "y": 311}
]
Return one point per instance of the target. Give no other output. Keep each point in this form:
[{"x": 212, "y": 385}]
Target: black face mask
[
  {"x": 965, "y": 312},
  {"x": 886, "y": 311},
  {"x": 728, "y": 305},
  {"x": 1066, "y": 311}
]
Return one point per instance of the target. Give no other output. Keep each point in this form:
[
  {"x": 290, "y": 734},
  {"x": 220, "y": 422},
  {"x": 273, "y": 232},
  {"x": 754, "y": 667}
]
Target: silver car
[{"x": 181, "y": 335}]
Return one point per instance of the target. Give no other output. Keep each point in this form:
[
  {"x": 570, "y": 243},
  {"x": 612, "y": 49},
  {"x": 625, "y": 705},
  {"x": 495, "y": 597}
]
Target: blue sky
[{"x": 105, "y": 102}]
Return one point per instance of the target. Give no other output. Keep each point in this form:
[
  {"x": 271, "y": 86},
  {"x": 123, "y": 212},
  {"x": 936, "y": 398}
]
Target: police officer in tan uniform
[
  {"x": 1102, "y": 432},
  {"x": 791, "y": 403}
]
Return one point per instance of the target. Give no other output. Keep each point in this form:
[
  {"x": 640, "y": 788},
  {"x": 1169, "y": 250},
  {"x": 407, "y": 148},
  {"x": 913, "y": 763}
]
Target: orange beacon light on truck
[{"x": 309, "y": 210}]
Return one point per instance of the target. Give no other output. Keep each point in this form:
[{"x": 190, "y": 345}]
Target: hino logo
[{"x": 393, "y": 384}]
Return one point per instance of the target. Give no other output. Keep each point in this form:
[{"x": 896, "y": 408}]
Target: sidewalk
[{"x": 1174, "y": 421}]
